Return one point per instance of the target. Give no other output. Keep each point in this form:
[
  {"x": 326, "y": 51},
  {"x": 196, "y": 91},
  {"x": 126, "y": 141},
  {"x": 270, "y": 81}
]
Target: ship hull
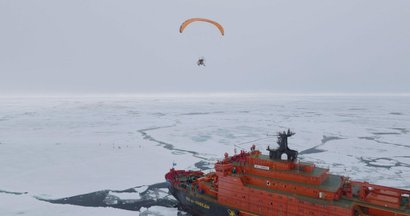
[{"x": 197, "y": 205}]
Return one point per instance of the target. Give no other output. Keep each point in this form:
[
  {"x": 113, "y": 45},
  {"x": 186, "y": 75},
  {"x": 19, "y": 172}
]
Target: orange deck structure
[{"x": 250, "y": 183}]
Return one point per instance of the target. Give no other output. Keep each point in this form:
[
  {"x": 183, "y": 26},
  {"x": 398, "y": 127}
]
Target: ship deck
[
  {"x": 342, "y": 202},
  {"x": 331, "y": 184},
  {"x": 345, "y": 203},
  {"x": 317, "y": 171}
]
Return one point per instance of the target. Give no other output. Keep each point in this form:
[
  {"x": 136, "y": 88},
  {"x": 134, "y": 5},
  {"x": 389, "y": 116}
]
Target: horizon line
[{"x": 202, "y": 94}]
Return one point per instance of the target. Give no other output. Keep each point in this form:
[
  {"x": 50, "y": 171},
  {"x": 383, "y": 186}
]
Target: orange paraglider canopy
[{"x": 189, "y": 21}]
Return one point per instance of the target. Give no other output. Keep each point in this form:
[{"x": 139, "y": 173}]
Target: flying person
[{"x": 201, "y": 61}]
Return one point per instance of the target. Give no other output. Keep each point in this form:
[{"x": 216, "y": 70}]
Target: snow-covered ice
[{"x": 52, "y": 148}]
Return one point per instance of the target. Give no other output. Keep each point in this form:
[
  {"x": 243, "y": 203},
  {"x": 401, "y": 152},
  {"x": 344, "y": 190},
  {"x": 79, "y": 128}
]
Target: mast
[{"x": 276, "y": 154}]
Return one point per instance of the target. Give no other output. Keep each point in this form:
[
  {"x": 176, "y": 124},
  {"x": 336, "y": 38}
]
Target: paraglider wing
[{"x": 189, "y": 21}]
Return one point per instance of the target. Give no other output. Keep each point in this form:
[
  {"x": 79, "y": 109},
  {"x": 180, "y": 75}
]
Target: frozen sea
[{"x": 108, "y": 155}]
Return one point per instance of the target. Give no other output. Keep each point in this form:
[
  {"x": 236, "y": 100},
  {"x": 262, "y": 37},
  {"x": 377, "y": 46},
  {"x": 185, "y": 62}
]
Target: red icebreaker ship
[{"x": 250, "y": 183}]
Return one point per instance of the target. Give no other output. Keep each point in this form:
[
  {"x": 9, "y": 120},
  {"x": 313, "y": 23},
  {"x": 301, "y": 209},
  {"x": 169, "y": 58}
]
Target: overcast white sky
[{"x": 133, "y": 46}]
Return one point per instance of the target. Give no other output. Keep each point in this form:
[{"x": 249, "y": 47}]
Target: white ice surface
[
  {"x": 26, "y": 205},
  {"x": 141, "y": 189},
  {"x": 60, "y": 147}
]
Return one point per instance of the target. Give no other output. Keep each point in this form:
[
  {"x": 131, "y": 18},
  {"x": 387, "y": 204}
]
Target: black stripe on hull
[{"x": 198, "y": 206}]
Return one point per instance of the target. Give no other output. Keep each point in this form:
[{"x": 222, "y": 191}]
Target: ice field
[{"x": 108, "y": 155}]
